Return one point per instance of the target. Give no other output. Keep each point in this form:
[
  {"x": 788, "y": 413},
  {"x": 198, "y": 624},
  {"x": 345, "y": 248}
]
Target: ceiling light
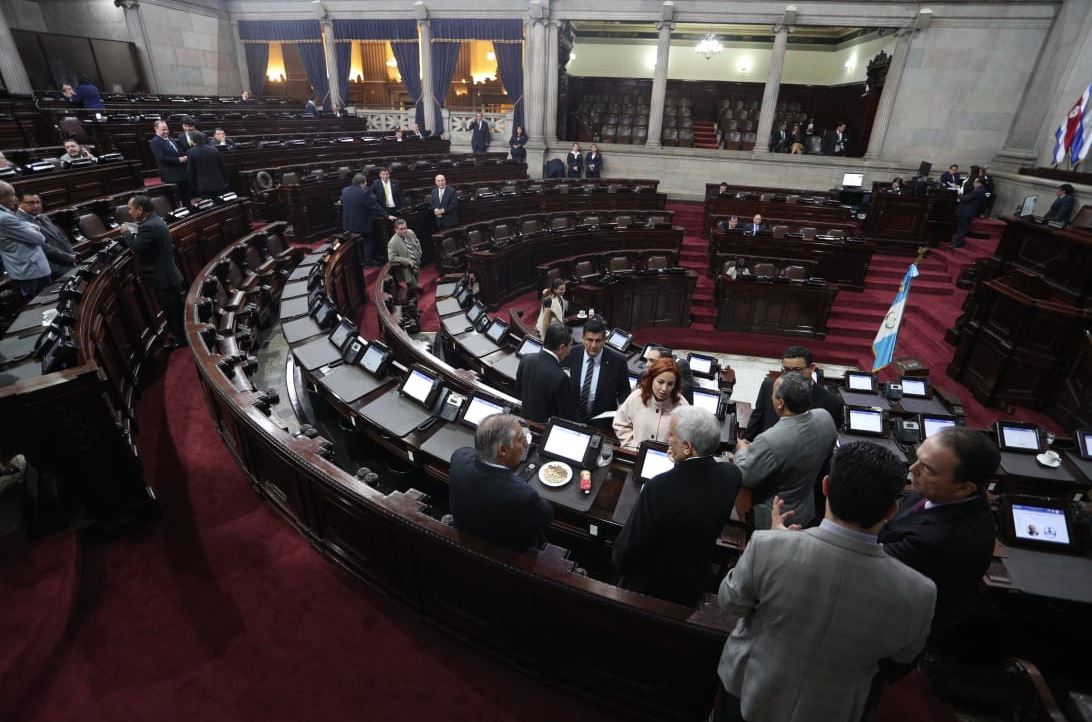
[
  {"x": 490, "y": 55},
  {"x": 708, "y": 46}
]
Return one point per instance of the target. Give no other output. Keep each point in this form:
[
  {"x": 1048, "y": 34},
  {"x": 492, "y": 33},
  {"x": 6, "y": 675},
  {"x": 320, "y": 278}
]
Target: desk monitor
[
  {"x": 924, "y": 168},
  {"x": 1020, "y": 437},
  {"x": 496, "y": 331},
  {"x": 421, "y": 386},
  {"x": 1037, "y": 523},
  {"x": 324, "y": 314},
  {"x": 702, "y": 365},
  {"x": 342, "y": 333},
  {"x": 313, "y": 297},
  {"x": 634, "y": 379},
  {"x": 865, "y": 421},
  {"x": 648, "y": 347},
  {"x": 931, "y": 424},
  {"x": 476, "y": 312},
  {"x": 708, "y": 400},
  {"x": 376, "y": 359},
  {"x": 1027, "y": 206},
  {"x": 528, "y": 347},
  {"x": 478, "y": 408},
  {"x": 852, "y": 180},
  {"x": 568, "y": 441},
  {"x": 462, "y": 295},
  {"x": 860, "y": 382},
  {"x": 652, "y": 460},
  {"x": 914, "y": 388},
  {"x": 1084, "y": 443},
  {"x": 619, "y": 340}
]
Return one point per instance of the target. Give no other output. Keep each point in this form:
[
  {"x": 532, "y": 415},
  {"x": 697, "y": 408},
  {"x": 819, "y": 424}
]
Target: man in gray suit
[
  {"x": 22, "y": 246},
  {"x": 788, "y": 458},
  {"x": 820, "y": 609},
  {"x": 58, "y": 250}
]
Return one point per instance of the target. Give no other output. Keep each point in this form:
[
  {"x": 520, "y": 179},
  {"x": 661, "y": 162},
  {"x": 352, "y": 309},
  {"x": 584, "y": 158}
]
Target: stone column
[
  {"x": 887, "y": 97},
  {"x": 11, "y": 64},
  {"x": 659, "y": 85},
  {"x": 534, "y": 81},
  {"x": 550, "y": 121},
  {"x": 240, "y": 59},
  {"x": 772, "y": 90},
  {"x": 424, "y": 44},
  {"x": 134, "y": 22},
  {"x": 332, "y": 78}
]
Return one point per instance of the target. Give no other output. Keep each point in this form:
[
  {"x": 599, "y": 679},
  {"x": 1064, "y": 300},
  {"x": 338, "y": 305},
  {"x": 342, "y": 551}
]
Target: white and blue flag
[{"x": 883, "y": 347}]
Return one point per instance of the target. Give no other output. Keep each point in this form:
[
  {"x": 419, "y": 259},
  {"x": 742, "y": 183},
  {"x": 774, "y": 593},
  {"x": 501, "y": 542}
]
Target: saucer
[{"x": 1048, "y": 461}]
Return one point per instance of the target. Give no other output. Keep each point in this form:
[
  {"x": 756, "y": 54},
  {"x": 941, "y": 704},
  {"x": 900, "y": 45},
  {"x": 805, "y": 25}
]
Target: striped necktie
[{"x": 585, "y": 387}]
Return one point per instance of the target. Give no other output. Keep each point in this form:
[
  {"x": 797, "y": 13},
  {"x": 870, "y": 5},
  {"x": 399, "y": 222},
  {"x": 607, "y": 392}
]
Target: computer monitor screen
[
  {"x": 496, "y": 330},
  {"x": 916, "y": 388},
  {"x": 1027, "y": 207},
  {"x": 702, "y": 365},
  {"x": 374, "y": 358},
  {"x": 619, "y": 340},
  {"x": 707, "y": 400},
  {"x": 933, "y": 424},
  {"x": 418, "y": 386},
  {"x": 1084, "y": 443},
  {"x": 1020, "y": 437},
  {"x": 463, "y": 295},
  {"x": 341, "y": 334},
  {"x": 1040, "y": 524},
  {"x": 863, "y": 421},
  {"x": 476, "y": 311},
  {"x": 648, "y": 347},
  {"x": 528, "y": 347},
  {"x": 924, "y": 169},
  {"x": 478, "y": 409},
  {"x": 852, "y": 180},
  {"x": 656, "y": 461},
  {"x": 566, "y": 443},
  {"x": 860, "y": 382}
]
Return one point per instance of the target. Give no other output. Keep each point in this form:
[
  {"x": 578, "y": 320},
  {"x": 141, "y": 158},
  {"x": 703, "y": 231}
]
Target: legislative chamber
[{"x": 526, "y": 360}]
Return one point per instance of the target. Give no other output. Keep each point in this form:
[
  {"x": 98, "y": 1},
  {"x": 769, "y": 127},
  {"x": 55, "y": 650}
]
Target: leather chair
[
  {"x": 764, "y": 269},
  {"x": 452, "y": 257},
  {"x": 611, "y": 119},
  {"x": 684, "y": 111},
  {"x": 807, "y": 233},
  {"x": 590, "y": 220},
  {"x": 733, "y": 140},
  {"x": 73, "y": 128},
  {"x": 765, "y": 197},
  {"x": 738, "y": 105},
  {"x": 685, "y": 123},
  {"x": 502, "y": 233},
  {"x": 625, "y": 119},
  {"x": 483, "y": 191},
  {"x": 162, "y": 205},
  {"x": 561, "y": 223},
  {"x": 609, "y": 133},
  {"x": 640, "y": 135},
  {"x": 551, "y": 273},
  {"x": 752, "y": 105},
  {"x": 530, "y": 227},
  {"x": 731, "y": 125},
  {"x": 620, "y": 264},
  {"x": 656, "y": 261},
  {"x": 585, "y": 271},
  {"x": 623, "y": 220},
  {"x": 121, "y": 213},
  {"x": 655, "y": 220},
  {"x": 91, "y": 226},
  {"x": 796, "y": 273},
  {"x": 669, "y": 121},
  {"x": 836, "y": 233},
  {"x": 474, "y": 239},
  {"x": 779, "y": 231},
  {"x": 747, "y": 141}
]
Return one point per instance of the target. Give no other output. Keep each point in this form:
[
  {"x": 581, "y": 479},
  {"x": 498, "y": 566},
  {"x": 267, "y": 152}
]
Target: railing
[{"x": 456, "y": 123}]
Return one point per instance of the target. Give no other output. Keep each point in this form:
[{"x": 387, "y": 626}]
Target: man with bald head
[
  {"x": 170, "y": 158},
  {"x": 22, "y": 246},
  {"x": 444, "y": 204}
]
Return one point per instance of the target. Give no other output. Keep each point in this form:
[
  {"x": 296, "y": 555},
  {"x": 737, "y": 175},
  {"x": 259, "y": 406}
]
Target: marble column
[
  {"x": 550, "y": 120},
  {"x": 11, "y": 64},
  {"x": 772, "y": 89},
  {"x": 240, "y": 59},
  {"x": 134, "y": 22},
  {"x": 659, "y": 85},
  {"x": 535, "y": 81},
  {"x": 890, "y": 91},
  {"x": 332, "y": 78},
  {"x": 424, "y": 45}
]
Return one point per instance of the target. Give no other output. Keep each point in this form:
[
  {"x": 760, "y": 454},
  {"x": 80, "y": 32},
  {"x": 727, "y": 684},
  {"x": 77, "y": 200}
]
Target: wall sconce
[
  {"x": 491, "y": 56},
  {"x": 744, "y": 66}
]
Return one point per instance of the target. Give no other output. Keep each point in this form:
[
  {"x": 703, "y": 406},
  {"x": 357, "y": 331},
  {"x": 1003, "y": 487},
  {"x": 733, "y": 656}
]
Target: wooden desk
[
  {"x": 641, "y": 300},
  {"x": 841, "y": 261},
  {"x": 62, "y": 188},
  {"x": 901, "y": 223},
  {"x": 787, "y": 309},
  {"x": 815, "y": 213},
  {"x": 727, "y": 204}
]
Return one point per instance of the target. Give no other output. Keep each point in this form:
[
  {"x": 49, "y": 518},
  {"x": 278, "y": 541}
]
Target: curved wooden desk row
[
  {"x": 712, "y": 192},
  {"x": 651, "y": 658},
  {"x": 60, "y": 188},
  {"x": 826, "y": 214},
  {"x": 843, "y": 261},
  {"x": 592, "y": 267},
  {"x": 776, "y": 306},
  {"x": 399, "y": 165},
  {"x": 792, "y": 225}
]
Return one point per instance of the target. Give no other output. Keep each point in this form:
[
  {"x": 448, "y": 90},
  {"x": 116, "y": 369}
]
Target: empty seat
[
  {"x": 591, "y": 220},
  {"x": 669, "y": 121},
  {"x": 779, "y": 231},
  {"x": 561, "y": 223},
  {"x": 91, "y": 226},
  {"x": 640, "y": 135},
  {"x": 625, "y": 119},
  {"x": 530, "y": 227},
  {"x": 585, "y": 270},
  {"x": 765, "y": 269},
  {"x": 657, "y": 220},
  {"x": 609, "y": 133},
  {"x": 807, "y": 233},
  {"x": 623, "y": 220},
  {"x": 625, "y": 134},
  {"x": 474, "y": 238},
  {"x": 73, "y": 128},
  {"x": 122, "y": 214},
  {"x": 792, "y": 198},
  {"x": 814, "y": 144},
  {"x": 656, "y": 261},
  {"x": 502, "y": 232},
  {"x": 162, "y": 205},
  {"x": 619, "y": 264},
  {"x": 836, "y": 233},
  {"x": 797, "y": 273}
]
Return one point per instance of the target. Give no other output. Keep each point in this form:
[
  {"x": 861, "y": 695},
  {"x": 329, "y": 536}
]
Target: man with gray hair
[
  {"x": 666, "y": 547},
  {"x": 787, "y": 459},
  {"x": 359, "y": 211},
  {"x": 22, "y": 246},
  {"x": 487, "y": 499}
]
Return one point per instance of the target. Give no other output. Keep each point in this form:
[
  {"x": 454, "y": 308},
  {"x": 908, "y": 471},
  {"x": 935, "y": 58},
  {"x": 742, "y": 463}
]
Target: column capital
[
  {"x": 779, "y": 27},
  {"x": 665, "y": 24}
]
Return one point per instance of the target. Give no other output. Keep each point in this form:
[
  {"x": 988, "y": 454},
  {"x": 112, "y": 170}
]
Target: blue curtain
[
  {"x": 257, "y": 60},
  {"x": 476, "y": 29},
  {"x": 375, "y": 29},
  {"x": 344, "y": 61},
  {"x": 407, "y": 55},
  {"x": 444, "y": 58},
  {"x": 510, "y": 70},
  {"x": 314, "y": 62},
  {"x": 277, "y": 31}
]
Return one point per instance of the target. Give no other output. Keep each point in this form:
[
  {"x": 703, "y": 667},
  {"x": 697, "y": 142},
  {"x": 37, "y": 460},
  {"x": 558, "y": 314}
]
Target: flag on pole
[
  {"x": 1082, "y": 134},
  {"x": 883, "y": 347},
  {"x": 1059, "y": 145}
]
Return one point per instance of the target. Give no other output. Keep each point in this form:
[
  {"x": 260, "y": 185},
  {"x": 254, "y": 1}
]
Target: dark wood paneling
[{"x": 786, "y": 309}]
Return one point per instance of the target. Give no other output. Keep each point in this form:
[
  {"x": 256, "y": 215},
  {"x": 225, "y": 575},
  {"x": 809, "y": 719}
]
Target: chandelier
[{"x": 708, "y": 46}]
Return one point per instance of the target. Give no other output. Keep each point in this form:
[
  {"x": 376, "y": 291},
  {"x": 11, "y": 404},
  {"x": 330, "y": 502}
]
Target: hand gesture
[{"x": 779, "y": 520}]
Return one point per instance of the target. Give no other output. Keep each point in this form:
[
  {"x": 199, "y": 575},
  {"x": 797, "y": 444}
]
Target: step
[
  {"x": 930, "y": 287},
  {"x": 885, "y": 274},
  {"x": 854, "y": 313},
  {"x": 856, "y": 329}
]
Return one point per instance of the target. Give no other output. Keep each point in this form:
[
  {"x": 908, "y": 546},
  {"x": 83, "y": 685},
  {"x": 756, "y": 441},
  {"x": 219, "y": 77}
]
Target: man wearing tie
[
  {"x": 444, "y": 204},
  {"x": 57, "y": 249},
  {"x": 836, "y": 141},
  {"x": 597, "y": 374},
  {"x": 388, "y": 192},
  {"x": 171, "y": 160},
  {"x": 752, "y": 228},
  {"x": 479, "y": 139},
  {"x": 188, "y": 137},
  {"x": 779, "y": 139}
]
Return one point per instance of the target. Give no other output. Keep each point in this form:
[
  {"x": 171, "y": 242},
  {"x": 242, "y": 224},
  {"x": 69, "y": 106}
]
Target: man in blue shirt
[
  {"x": 85, "y": 95},
  {"x": 21, "y": 246}
]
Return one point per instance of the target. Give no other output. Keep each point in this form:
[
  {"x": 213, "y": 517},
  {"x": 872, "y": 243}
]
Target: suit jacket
[
  {"x": 779, "y": 139},
  {"x": 593, "y": 164},
  {"x": 155, "y": 253},
  {"x": 516, "y": 145},
  {"x": 206, "y": 171},
  {"x": 57, "y": 249},
  {"x": 185, "y": 142},
  {"x": 949, "y": 179},
  {"x": 751, "y": 228},
  {"x": 544, "y": 389},
  {"x": 666, "y": 547},
  {"x": 404, "y": 255},
  {"x": 479, "y": 135},
  {"x": 167, "y": 153},
  {"x": 970, "y": 204},
  {"x": 22, "y": 247},
  {"x": 830, "y": 142},
  {"x": 574, "y": 164},
  {"x": 359, "y": 209},
  {"x": 951, "y": 544},
  {"x": 88, "y": 96},
  {"x": 613, "y": 386},
  {"x": 764, "y": 416},
  {"x": 449, "y": 204},
  {"x": 396, "y": 194},
  {"x": 820, "y": 608},
  {"x": 1061, "y": 209},
  {"x": 495, "y": 504},
  {"x": 786, "y": 460}
]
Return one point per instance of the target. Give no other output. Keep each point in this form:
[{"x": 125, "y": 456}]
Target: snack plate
[{"x": 563, "y": 477}]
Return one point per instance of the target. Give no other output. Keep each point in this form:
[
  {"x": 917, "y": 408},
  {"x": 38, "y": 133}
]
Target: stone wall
[{"x": 192, "y": 50}]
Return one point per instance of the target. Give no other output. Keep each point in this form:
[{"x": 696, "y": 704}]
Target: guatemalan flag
[
  {"x": 1073, "y": 134},
  {"x": 883, "y": 347}
]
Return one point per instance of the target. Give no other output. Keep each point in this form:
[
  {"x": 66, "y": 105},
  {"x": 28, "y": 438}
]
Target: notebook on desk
[{"x": 316, "y": 354}]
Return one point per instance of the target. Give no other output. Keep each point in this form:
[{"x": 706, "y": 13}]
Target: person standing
[
  {"x": 593, "y": 162},
  {"x": 84, "y": 95},
  {"x": 598, "y": 375},
  {"x": 155, "y": 255},
  {"x": 404, "y": 254},
  {"x": 171, "y": 160},
  {"x": 22, "y": 247},
  {"x": 188, "y": 137},
  {"x": 388, "y": 192},
  {"x": 205, "y": 167},
  {"x": 967, "y": 209},
  {"x": 479, "y": 134},
  {"x": 444, "y": 204},
  {"x": 574, "y": 162},
  {"x": 516, "y": 145},
  {"x": 57, "y": 249},
  {"x": 555, "y": 309},
  {"x": 359, "y": 211},
  {"x": 645, "y": 415},
  {"x": 800, "y": 360},
  {"x": 836, "y": 141},
  {"x": 542, "y": 384}
]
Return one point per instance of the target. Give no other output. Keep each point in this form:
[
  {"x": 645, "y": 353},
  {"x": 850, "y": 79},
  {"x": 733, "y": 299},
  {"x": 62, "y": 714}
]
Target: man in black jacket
[
  {"x": 666, "y": 546},
  {"x": 795, "y": 358},
  {"x": 542, "y": 384},
  {"x": 388, "y": 192},
  {"x": 1062, "y": 207},
  {"x": 836, "y": 141},
  {"x": 444, "y": 204},
  {"x": 359, "y": 211},
  {"x": 479, "y": 134},
  {"x": 155, "y": 254},
  {"x": 598, "y": 375},
  {"x": 58, "y": 251},
  {"x": 205, "y": 167},
  {"x": 967, "y": 209},
  {"x": 171, "y": 160},
  {"x": 487, "y": 499}
]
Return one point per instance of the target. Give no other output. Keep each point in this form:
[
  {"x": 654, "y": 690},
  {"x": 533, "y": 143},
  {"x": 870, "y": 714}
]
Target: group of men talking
[{"x": 847, "y": 575}]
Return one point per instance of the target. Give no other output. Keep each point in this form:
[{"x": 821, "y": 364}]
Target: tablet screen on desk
[
  {"x": 341, "y": 334},
  {"x": 634, "y": 379},
  {"x": 478, "y": 409},
  {"x": 1084, "y": 443},
  {"x": 496, "y": 330},
  {"x": 619, "y": 340},
  {"x": 1018, "y": 437},
  {"x": 707, "y": 400},
  {"x": 933, "y": 424},
  {"x": 702, "y": 365},
  {"x": 865, "y": 421},
  {"x": 915, "y": 388},
  {"x": 374, "y": 358},
  {"x": 418, "y": 386},
  {"x": 654, "y": 461},
  {"x": 476, "y": 311},
  {"x": 1040, "y": 524},
  {"x": 863, "y": 383},
  {"x": 568, "y": 444},
  {"x": 528, "y": 347}
]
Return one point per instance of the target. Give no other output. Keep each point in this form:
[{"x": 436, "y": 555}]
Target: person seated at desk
[
  {"x": 821, "y": 609},
  {"x": 554, "y": 306},
  {"x": 1062, "y": 207},
  {"x": 646, "y": 413},
  {"x": 729, "y": 225},
  {"x": 487, "y": 499},
  {"x": 245, "y": 96},
  {"x": 309, "y": 108},
  {"x": 516, "y": 145},
  {"x": 896, "y": 186},
  {"x": 74, "y": 151},
  {"x": 738, "y": 269},
  {"x": 404, "y": 254},
  {"x": 666, "y": 547},
  {"x": 951, "y": 177},
  {"x": 598, "y": 375},
  {"x": 444, "y": 204},
  {"x": 779, "y": 139},
  {"x": 799, "y": 359},
  {"x": 415, "y": 133},
  {"x": 58, "y": 250},
  {"x": 541, "y": 382},
  {"x": 5, "y": 163},
  {"x": 574, "y": 162},
  {"x": 755, "y": 226},
  {"x": 786, "y": 459},
  {"x": 220, "y": 139},
  {"x": 796, "y": 140}
]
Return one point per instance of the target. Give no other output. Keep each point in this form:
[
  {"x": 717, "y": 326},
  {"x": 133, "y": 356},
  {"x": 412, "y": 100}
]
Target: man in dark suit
[
  {"x": 188, "y": 137},
  {"x": 755, "y": 227},
  {"x": 666, "y": 547},
  {"x": 597, "y": 374},
  {"x": 479, "y": 134},
  {"x": 944, "y": 528},
  {"x": 155, "y": 254},
  {"x": 359, "y": 211},
  {"x": 444, "y": 204},
  {"x": 388, "y": 192},
  {"x": 205, "y": 167},
  {"x": 835, "y": 142},
  {"x": 1062, "y": 207},
  {"x": 171, "y": 160},
  {"x": 967, "y": 209},
  {"x": 795, "y": 358},
  {"x": 951, "y": 177},
  {"x": 779, "y": 139},
  {"x": 487, "y": 499},
  {"x": 57, "y": 249},
  {"x": 542, "y": 384}
]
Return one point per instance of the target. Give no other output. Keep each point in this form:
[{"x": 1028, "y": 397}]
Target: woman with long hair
[
  {"x": 646, "y": 413},
  {"x": 516, "y": 143},
  {"x": 554, "y": 306}
]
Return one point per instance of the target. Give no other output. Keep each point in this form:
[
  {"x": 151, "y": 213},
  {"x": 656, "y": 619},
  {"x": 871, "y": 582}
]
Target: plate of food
[{"x": 555, "y": 474}]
